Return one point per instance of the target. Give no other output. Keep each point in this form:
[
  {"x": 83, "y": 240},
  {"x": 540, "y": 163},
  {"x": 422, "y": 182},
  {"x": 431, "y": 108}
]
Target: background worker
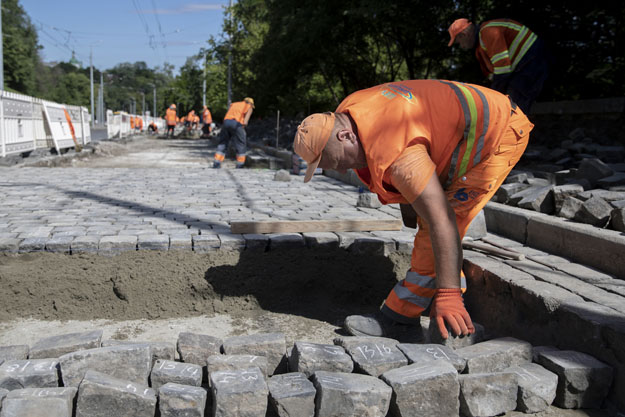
[
  {"x": 189, "y": 120},
  {"x": 510, "y": 54},
  {"x": 444, "y": 148},
  {"x": 171, "y": 118},
  {"x": 235, "y": 121},
  {"x": 207, "y": 119}
]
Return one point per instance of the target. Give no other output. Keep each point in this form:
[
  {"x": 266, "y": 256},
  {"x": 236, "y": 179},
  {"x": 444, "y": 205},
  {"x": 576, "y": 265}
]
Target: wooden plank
[{"x": 302, "y": 226}]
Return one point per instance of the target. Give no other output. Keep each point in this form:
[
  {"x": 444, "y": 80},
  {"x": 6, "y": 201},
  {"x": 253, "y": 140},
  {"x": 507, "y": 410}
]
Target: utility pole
[
  {"x": 1, "y": 52},
  {"x": 154, "y": 96},
  {"x": 204, "y": 87},
  {"x": 91, "y": 82},
  {"x": 102, "y": 111},
  {"x": 230, "y": 61},
  {"x": 143, "y": 104}
]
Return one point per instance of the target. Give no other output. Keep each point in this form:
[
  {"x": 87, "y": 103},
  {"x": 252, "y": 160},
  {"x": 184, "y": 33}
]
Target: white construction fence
[
  {"x": 122, "y": 124},
  {"x": 28, "y": 123}
]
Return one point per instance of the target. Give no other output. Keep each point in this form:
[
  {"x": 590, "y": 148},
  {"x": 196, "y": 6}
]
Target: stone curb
[{"x": 599, "y": 248}]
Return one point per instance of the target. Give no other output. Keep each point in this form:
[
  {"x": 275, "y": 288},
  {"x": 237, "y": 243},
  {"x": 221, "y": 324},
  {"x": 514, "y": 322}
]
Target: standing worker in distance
[
  {"x": 171, "y": 118},
  {"x": 207, "y": 119},
  {"x": 235, "y": 121},
  {"x": 510, "y": 54},
  {"x": 441, "y": 147}
]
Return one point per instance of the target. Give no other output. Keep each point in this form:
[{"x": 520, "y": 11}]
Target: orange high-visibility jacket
[
  {"x": 183, "y": 119},
  {"x": 132, "y": 122},
  {"x": 207, "y": 117},
  {"x": 502, "y": 45},
  {"x": 196, "y": 118},
  {"x": 237, "y": 111},
  {"x": 460, "y": 125},
  {"x": 190, "y": 115},
  {"x": 170, "y": 117},
  {"x": 139, "y": 123}
]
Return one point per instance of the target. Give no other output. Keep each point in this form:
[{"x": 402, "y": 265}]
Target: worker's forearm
[{"x": 447, "y": 249}]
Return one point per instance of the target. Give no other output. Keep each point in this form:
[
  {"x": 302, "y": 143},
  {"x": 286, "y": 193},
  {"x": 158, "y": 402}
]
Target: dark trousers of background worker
[
  {"x": 526, "y": 82},
  {"x": 231, "y": 129},
  {"x": 170, "y": 128}
]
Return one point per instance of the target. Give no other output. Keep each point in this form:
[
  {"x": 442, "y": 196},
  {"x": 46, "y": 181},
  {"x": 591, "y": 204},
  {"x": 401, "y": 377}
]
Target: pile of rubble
[
  {"x": 580, "y": 180},
  {"x": 257, "y": 375}
]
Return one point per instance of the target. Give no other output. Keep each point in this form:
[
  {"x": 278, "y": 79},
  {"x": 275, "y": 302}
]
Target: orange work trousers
[{"x": 467, "y": 195}]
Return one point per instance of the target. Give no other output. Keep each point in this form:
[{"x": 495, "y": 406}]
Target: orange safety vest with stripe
[
  {"x": 502, "y": 45},
  {"x": 237, "y": 111},
  {"x": 459, "y": 123},
  {"x": 206, "y": 117},
  {"x": 170, "y": 117}
]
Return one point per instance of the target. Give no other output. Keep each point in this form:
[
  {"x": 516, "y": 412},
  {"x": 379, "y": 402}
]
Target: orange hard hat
[
  {"x": 455, "y": 28},
  {"x": 249, "y": 100}
]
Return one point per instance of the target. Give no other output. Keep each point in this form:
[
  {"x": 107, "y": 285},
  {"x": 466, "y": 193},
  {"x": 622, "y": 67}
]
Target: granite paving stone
[
  {"x": 85, "y": 244},
  {"x": 153, "y": 241},
  {"x": 583, "y": 381},
  {"x": 292, "y": 395},
  {"x": 56, "y": 346},
  {"x": 177, "y": 400},
  {"x": 67, "y": 394},
  {"x": 499, "y": 398},
  {"x": 60, "y": 244},
  {"x": 537, "y": 387},
  {"x": 29, "y": 373},
  {"x": 14, "y": 352},
  {"x": 196, "y": 348},
  {"x": 422, "y": 353},
  {"x": 270, "y": 345},
  {"x": 165, "y": 371},
  {"x": 160, "y": 350},
  {"x": 424, "y": 389},
  {"x": 342, "y": 394},
  {"x": 374, "y": 356},
  {"x": 117, "y": 244},
  {"x": 495, "y": 355},
  {"x": 309, "y": 358},
  {"x": 233, "y": 362},
  {"x": 103, "y": 395},
  {"x": 128, "y": 362},
  {"x": 241, "y": 392}
]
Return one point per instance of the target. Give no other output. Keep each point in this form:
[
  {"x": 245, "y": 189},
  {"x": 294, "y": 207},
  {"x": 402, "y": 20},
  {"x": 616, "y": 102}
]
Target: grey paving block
[
  {"x": 593, "y": 169},
  {"x": 33, "y": 244},
  {"x": 206, "y": 243},
  {"x": 9, "y": 244},
  {"x": 160, "y": 350},
  {"x": 35, "y": 407},
  {"x": 292, "y": 395},
  {"x": 85, "y": 244},
  {"x": 14, "y": 352},
  {"x": 433, "y": 335},
  {"x": 35, "y": 373},
  {"x": 176, "y": 400},
  {"x": 117, "y": 244},
  {"x": 282, "y": 241},
  {"x": 561, "y": 192},
  {"x": 537, "y": 198},
  {"x": 369, "y": 200},
  {"x": 239, "y": 393},
  {"x": 595, "y": 211},
  {"x": 256, "y": 242},
  {"x": 583, "y": 381},
  {"x": 196, "y": 348},
  {"x": 495, "y": 355},
  {"x": 321, "y": 240},
  {"x": 427, "y": 389},
  {"x": 537, "y": 387},
  {"x": 373, "y": 356},
  {"x": 3, "y": 394},
  {"x": 423, "y": 353},
  {"x": 270, "y": 345},
  {"x": 309, "y": 358},
  {"x": 60, "y": 244},
  {"x": 343, "y": 394},
  {"x": 233, "y": 362},
  {"x": 180, "y": 242},
  {"x": 103, "y": 395},
  {"x": 165, "y": 371},
  {"x": 372, "y": 245},
  {"x": 67, "y": 394},
  {"x": 56, "y": 346},
  {"x": 506, "y": 191},
  {"x": 232, "y": 242},
  {"x": 499, "y": 398},
  {"x": 128, "y": 362},
  {"x": 153, "y": 242},
  {"x": 617, "y": 221}
]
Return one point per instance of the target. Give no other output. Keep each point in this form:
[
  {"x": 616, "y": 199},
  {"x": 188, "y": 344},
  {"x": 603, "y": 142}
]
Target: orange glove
[{"x": 448, "y": 306}]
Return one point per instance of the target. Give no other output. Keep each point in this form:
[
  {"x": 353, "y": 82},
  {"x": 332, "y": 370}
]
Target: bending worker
[
  {"x": 443, "y": 148},
  {"x": 171, "y": 118},
  {"x": 235, "y": 121},
  {"x": 510, "y": 54}
]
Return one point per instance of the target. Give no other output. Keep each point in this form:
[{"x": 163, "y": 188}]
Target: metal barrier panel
[
  {"x": 43, "y": 136},
  {"x": 113, "y": 125},
  {"x": 86, "y": 123},
  {"x": 17, "y": 123},
  {"x": 125, "y": 125},
  {"x": 55, "y": 115}
]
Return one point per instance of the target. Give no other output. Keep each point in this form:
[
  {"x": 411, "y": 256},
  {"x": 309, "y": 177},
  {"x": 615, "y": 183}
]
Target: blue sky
[{"x": 124, "y": 30}]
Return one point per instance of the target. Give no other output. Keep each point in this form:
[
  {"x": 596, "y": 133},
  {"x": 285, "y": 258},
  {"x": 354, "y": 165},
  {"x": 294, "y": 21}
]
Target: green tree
[{"x": 19, "y": 43}]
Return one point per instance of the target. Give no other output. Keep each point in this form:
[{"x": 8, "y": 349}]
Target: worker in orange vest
[
  {"x": 189, "y": 119},
  {"x": 132, "y": 123},
  {"x": 171, "y": 118},
  {"x": 510, "y": 55},
  {"x": 207, "y": 119},
  {"x": 440, "y": 149},
  {"x": 139, "y": 124},
  {"x": 196, "y": 121},
  {"x": 235, "y": 121}
]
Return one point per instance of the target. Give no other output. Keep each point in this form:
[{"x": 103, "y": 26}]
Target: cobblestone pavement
[{"x": 163, "y": 196}]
